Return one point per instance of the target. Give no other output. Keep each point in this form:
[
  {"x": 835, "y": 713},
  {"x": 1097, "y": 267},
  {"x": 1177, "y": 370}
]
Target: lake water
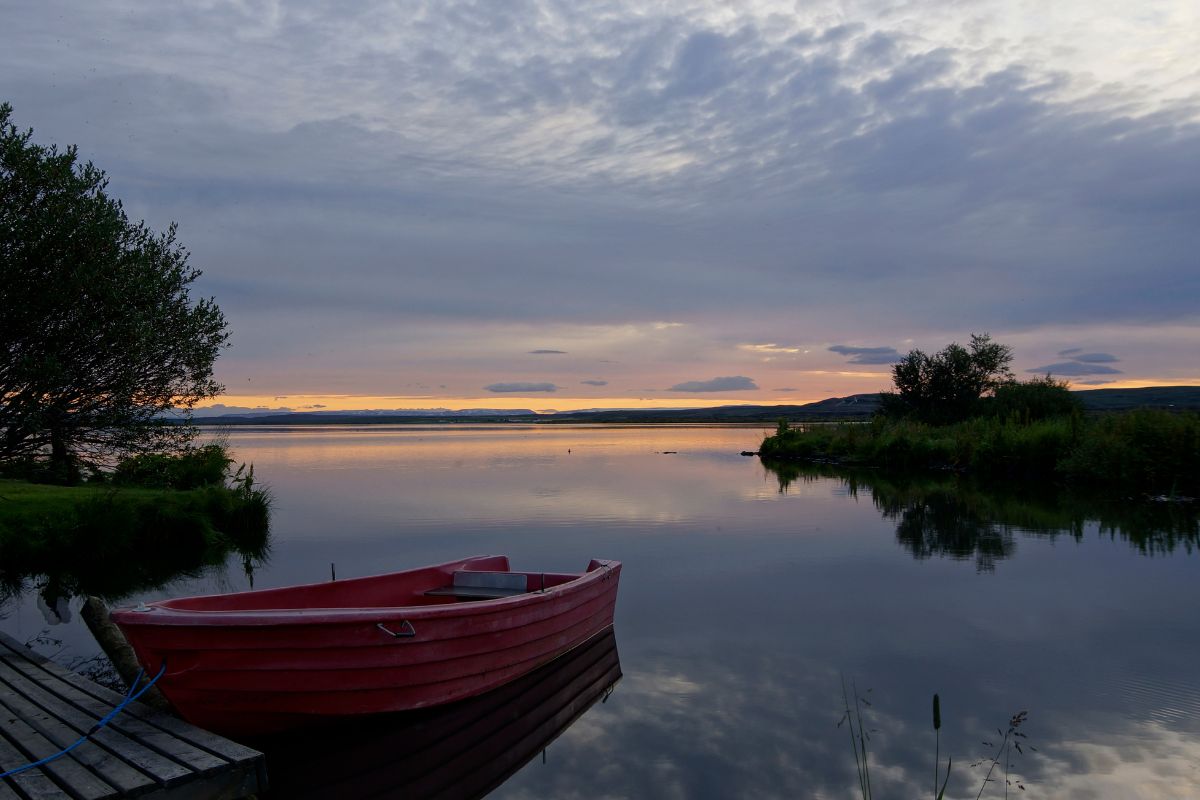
[{"x": 747, "y": 598}]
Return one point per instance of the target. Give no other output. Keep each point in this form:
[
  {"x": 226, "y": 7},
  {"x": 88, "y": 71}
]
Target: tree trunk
[
  {"x": 114, "y": 645},
  {"x": 58, "y": 448}
]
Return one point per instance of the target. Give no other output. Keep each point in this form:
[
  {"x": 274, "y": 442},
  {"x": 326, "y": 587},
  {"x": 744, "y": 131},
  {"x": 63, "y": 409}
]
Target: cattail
[{"x": 937, "y": 713}]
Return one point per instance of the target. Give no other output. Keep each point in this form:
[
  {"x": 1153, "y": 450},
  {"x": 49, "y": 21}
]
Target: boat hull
[{"x": 241, "y": 670}]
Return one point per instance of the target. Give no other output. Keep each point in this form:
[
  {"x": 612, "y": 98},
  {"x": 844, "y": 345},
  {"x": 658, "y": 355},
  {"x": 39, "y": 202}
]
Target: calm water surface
[{"x": 741, "y": 606}]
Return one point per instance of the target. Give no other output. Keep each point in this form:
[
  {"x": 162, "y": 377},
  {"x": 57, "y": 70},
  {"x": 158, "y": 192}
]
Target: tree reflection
[
  {"x": 68, "y": 562},
  {"x": 955, "y": 517}
]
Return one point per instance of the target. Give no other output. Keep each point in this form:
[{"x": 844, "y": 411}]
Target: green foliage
[
  {"x": 1137, "y": 452},
  {"x": 100, "y": 337},
  {"x": 947, "y": 386},
  {"x": 108, "y": 541},
  {"x": 190, "y": 469},
  {"x": 1032, "y": 400},
  {"x": 1152, "y": 451}
]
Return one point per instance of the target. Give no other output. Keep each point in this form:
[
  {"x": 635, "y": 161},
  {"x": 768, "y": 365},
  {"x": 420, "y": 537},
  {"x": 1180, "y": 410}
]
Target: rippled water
[{"x": 742, "y": 605}]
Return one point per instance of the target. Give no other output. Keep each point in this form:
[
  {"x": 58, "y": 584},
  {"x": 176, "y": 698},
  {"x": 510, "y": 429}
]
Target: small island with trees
[{"x": 962, "y": 410}]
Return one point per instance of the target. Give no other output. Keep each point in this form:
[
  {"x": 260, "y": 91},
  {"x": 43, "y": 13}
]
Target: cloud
[
  {"x": 786, "y": 389},
  {"x": 769, "y": 347},
  {"x": 1094, "y": 382},
  {"x": 595, "y": 383},
  {"x": 732, "y": 383},
  {"x": 1081, "y": 363},
  {"x": 1074, "y": 368},
  {"x": 521, "y": 387},
  {"x": 373, "y": 204},
  {"x": 547, "y": 352},
  {"x": 867, "y": 355}
]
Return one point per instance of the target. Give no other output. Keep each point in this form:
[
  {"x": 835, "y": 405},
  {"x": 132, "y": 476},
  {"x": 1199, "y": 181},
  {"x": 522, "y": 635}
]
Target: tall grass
[{"x": 113, "y": 538}]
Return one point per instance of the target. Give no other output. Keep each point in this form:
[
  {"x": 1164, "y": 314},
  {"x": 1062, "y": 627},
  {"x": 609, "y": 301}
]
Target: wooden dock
[{"x": 142, "y": 753}]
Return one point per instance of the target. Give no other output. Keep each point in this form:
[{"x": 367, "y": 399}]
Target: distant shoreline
[{"x": 854, "y": 408}]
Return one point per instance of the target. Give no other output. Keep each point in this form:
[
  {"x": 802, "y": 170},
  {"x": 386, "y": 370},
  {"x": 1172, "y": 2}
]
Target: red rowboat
[{"x": 263, "y": 661}]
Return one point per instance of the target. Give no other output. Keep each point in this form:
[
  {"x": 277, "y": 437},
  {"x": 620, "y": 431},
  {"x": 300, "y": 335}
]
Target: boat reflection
[{"x": 463, "y": 750}]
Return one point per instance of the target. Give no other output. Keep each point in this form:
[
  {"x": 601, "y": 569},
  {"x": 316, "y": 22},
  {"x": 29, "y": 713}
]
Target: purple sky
[{"x": 561, "y": 205}]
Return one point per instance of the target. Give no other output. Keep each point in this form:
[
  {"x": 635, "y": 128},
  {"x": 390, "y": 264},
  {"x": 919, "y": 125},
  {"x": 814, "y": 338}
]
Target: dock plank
[
  {"x": 142, "y": 753},
  {"x": 115, "y": 756},
  {"x": 198, "y": 737},
  {"x": 166, "y": 767},
  {"x": 66, "y": 771},
  {"x": 32, "y": 783}
]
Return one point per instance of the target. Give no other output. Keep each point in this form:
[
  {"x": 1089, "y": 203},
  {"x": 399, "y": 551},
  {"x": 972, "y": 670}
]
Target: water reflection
[
  {"x": 740, "y": 605},
  {"x": 461, "y": 751},
  {"x": 117, "y": 568},
  {"x": 952, "y": 516}
]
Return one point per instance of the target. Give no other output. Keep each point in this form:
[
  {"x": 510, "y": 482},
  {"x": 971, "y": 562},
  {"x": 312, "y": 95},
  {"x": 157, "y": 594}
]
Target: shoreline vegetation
[
  {"x": 1146, "y": 452},
  {"x": 962, "y": 410},
  {"x": 154, "y": 518}
]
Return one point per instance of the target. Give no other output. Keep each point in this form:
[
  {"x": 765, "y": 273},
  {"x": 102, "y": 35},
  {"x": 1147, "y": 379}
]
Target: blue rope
[{"x": 130, "y": 696}]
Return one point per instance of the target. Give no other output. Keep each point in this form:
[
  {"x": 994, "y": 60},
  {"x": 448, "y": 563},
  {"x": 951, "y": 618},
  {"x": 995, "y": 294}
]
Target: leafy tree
[
  {"x": 947, "y": 386},
  {"x": 99, "y": 338}
]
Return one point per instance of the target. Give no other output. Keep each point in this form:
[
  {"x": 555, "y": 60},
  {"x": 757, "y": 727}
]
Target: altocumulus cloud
[
  {"x": 1089, "y": 358},
  {"x": 697, "y": 134},
  {"x": 729, "y": 384},
  {"x": 595, "y": 383},
  {"x": 867, "y": 355},
  {"x": 1075, "y": 368},
  {"x": 1080, "y": 363},
  {"x": 520, "y": 386}
]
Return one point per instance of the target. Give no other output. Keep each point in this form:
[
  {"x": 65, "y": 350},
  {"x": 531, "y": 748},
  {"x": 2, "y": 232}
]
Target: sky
[{"x": 562, "y": 205}]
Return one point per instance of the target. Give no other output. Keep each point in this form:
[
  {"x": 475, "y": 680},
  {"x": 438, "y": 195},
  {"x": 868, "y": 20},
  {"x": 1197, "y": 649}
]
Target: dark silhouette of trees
[
  {"x": 947, "y": 386},
  {"x": 99, "y": 338}
]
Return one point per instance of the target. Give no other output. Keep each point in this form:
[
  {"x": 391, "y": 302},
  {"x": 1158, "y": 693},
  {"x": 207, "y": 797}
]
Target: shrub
[
  {"x": 1141, "y": 450},
  {"x": 1030, "y": 401},
  {"x": 191, "y": 469}
]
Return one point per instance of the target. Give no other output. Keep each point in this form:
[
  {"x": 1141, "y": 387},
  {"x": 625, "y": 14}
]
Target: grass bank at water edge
[
  {"x": 111, "y": 540},
  {"x": 1146, "y": 452}
]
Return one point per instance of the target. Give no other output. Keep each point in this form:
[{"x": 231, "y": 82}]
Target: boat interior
[{"x": 473, "y": 579}]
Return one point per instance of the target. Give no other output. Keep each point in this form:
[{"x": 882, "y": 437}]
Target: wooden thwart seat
[{"x": 483, "y": 585}]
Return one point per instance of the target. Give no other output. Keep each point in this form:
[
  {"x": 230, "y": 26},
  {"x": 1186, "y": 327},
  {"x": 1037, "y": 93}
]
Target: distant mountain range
[{"x": 854, "y": 407}]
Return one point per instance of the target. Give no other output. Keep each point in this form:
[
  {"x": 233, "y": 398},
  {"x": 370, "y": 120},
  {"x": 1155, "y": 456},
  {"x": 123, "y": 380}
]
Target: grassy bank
[
  {"x": 110, "y": 540},
  {"x": 1137, "y": 452}
]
